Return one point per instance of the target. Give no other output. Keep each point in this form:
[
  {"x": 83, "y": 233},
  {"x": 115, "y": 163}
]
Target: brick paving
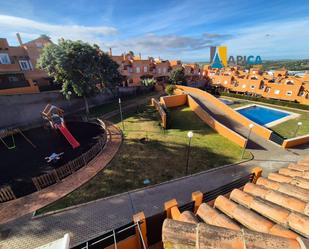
[{"x": 28, "y": 204}]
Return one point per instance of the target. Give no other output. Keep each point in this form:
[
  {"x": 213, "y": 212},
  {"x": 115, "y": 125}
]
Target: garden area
[
  {"x": 150, "y": 155},
  {"x": 286, "y": 129}
]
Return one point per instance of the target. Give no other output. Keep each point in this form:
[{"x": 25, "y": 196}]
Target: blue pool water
[{"x": 262, "y": 115}]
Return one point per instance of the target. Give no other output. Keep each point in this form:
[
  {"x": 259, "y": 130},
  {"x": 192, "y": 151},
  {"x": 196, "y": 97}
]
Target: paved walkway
[
  {"x": 95, "y": 218},
  {"x": 28, "y": 204}
]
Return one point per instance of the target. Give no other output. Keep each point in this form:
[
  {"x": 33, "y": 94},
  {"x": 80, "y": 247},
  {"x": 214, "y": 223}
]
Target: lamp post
[
  {"x": 299, "y": 124},
  {"x": 190, "y": 135},
  {"x": 120, "y": 111},
  {"x": 248, "y": 137}
]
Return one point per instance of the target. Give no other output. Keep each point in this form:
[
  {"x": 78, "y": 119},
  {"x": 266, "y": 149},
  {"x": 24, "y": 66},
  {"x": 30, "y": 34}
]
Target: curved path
[{"x": 28, "y": 204}]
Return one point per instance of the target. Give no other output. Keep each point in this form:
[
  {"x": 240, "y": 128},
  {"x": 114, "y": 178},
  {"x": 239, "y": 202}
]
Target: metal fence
[{"x": 154, "y": 223}]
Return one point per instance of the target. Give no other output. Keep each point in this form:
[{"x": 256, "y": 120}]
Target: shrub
[
  {"x": 148, "y": 82},
  {"x": 170, "y": 89},
  {"x": 268, "y": 101}
]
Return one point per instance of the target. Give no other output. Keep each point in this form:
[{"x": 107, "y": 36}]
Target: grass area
[
  {"x": 149, "y": 153},
  {"x": 287, "y": 128},
  {"x": 114, "y": 105}
]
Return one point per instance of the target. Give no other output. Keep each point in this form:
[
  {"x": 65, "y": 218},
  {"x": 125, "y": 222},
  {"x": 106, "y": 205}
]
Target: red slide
[{"x": 67, "y": 134}]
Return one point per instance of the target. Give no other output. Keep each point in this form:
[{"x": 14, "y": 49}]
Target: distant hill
[{"x": 291, "y": 65}]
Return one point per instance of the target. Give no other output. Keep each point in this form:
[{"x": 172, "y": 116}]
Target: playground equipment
[
  {"x": 55, "y": 117},
  {"x": 11, "y": 132},
  {"x": 53, "y": 157}
]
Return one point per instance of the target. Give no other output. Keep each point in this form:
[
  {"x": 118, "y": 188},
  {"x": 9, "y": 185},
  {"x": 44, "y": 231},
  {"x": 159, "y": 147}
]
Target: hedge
[{"x": 269, "y": 101}]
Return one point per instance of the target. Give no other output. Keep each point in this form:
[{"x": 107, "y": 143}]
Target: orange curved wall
[
  {"x": 179, "y": 100},
  {"x": 257, "y": 129},
  {"x": 292, "y": 142}
]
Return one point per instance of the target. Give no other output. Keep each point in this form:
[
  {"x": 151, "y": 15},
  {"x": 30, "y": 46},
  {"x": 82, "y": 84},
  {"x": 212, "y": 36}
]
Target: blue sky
[{"x": 167, "y": 28}]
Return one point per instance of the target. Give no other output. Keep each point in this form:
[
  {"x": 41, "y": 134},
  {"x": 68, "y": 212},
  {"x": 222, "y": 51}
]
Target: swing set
[{"x": 10, "y": 133}]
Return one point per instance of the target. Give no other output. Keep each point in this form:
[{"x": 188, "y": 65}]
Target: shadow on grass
[{"x": 137, "y": 161}]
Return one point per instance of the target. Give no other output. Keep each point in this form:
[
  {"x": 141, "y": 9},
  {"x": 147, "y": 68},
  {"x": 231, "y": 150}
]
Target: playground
[{"x": 40, "y": 150}]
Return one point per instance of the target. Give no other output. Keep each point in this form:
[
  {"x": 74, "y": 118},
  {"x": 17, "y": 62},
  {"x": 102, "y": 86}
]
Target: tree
[
  {"x": 177, "y": 77},
  {"x": 148, "y": 82},
  {"x": 170, "y": 89},
  {"x": 82, "y": 69}
]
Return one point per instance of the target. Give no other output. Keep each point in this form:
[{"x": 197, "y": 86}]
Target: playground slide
[{"x": 67, "y": 134}]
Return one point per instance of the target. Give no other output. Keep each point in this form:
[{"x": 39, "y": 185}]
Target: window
[
  {"x": 225, "y": 82},
  {"x": 25, "y": 65},
  {"x": 289, "y": 93},
  {"x": 290, "y": 82},
  {"x": 277, "y": 92},
  {"x": 252, "y": 86},
  {"x": 159, "y": 70},
  {"x": 145, "y": 69},
  {"x": 4, "y": 59},
  {"x": 243, "y": 86},
  {"x": 13, "y": 79},
  {"x": 138, "y": 69},
  {"x": 164, "y": 70},
  {"x": 39, "y": 44}
]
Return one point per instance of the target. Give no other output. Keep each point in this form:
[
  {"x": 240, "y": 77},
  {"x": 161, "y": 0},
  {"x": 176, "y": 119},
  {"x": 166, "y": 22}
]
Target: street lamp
[
  {"x": 248, "y": 137},
  {"x": 299, "y": 124},
  {"x": 120, "y": 111},
  {"x": 190, "y": 135}
]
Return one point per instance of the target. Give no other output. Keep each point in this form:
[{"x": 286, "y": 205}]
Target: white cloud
[
  {"x": 30, "y": 29},
  {"x": 280, "y": 39}
]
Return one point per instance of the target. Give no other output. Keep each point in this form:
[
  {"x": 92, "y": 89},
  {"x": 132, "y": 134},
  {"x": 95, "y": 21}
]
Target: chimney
[
  {"x": 19, "y": 39},
  {"x": 110, "y": 52}
]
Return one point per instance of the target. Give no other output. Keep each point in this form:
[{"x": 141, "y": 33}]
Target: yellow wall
[
  {"x": 217, "y": 126},
  {"x": 161, "y": 111},
  {"x": 289, "y": 143},
  {"x": 257, "y": 129},
  {"x": 179, "y": 100},
  {"x": 175, "y": 100}
]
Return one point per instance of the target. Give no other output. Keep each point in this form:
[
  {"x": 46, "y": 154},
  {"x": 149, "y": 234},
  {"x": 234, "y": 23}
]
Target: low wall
[
  {"x": 292, "y": 142},
  {"x": 174, "y": 100},
  {"x": 257, "y": 129},
  {"x": 213, "y": 123},
  {"x": 183, "y": 99},
  {"x": 161, "y": 111},
  {"x": 24, "y": 109}
]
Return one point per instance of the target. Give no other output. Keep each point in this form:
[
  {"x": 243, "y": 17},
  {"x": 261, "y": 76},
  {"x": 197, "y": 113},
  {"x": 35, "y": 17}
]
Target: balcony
[{"x": 9, "y": 68}]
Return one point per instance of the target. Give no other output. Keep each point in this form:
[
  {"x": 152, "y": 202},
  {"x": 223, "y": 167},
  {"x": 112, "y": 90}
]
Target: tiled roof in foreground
[{"x": 272, "y": 213}]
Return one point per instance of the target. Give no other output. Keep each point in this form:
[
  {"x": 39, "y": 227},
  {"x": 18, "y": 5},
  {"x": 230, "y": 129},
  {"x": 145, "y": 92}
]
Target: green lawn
[
  {"x": 150, "y": 153},
  {"x": 285, "y": 129}
]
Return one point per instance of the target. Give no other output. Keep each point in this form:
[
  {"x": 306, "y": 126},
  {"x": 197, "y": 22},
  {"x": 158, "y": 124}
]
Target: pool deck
[{"x": 292, "y": 115}]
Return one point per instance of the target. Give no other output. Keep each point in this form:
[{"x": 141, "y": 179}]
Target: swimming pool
[{"x": 264, "y": 115}]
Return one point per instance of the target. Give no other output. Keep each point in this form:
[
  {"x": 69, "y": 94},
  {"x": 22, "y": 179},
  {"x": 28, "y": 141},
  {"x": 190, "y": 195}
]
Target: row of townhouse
[
  {"x": 18, "y": 72},
  {"x": 134, "y": 69},
  {"x": 274, "y": 85}
]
